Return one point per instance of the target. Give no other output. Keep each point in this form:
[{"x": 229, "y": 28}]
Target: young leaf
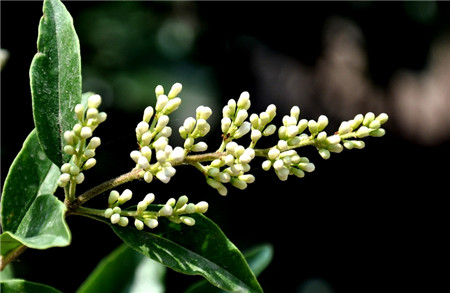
[
  {"x": 30, "y": 213},
  {"x": 16, "y": 285},
  {"x": 258, "y": 258},
  {"x": 125, "y": 270},
  {"x": 202, "y": 249},
  {"x": 55, "y": 76}
]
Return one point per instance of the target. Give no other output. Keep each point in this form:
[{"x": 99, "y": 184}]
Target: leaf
[
  {"x": 55, "y": 76},
  {"x": 258, "y": 259},
  {"x": 125, "y": 271},
  {"x": 22, "y": 286},
  {"x": 202, "y": 249},
  {"x": 30, "y": 213}
]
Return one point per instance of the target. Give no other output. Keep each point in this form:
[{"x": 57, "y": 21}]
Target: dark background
[{"x": 369, "y": 220}]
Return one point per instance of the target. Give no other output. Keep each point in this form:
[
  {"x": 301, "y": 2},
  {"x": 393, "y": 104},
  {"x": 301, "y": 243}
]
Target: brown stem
[{"x": 5, "y": 260}]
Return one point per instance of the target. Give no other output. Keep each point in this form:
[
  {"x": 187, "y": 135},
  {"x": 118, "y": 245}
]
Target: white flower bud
[
  {"x": 171, "y": 106},
  {"x": 358, "y": 144},
  {"x": 188, "y": 143},
  {"x": 269, "y": 130},
  {"x": 242, "y": 130},
  {"x": 89, "y": 153},
  {"x": 282, "y": 145},
  {"x": 89, "y": 164},
  {"x": 148, "y": 177},
  {"x": 227, "y": 112},
  {"x": 80, "y": 178},
  {"x": 278, "y": 164},
  {"x": 369, "y": 117},
  {"x": 189, "y": 124},
  {"x": 64, "y": 178},
  {"x": 199, "y": 147},
  {"x": 113, "y": 197},
  {"x": 166, "y": 211},
  {"x": 91, "y": 113},
  {"x": 295, "y": 112},
  {"x": 291, "y": 131},
  {"x": 375, "y": 124},
  {"x": 308, "y": 167},
  {"x": 217, "y": 185},
  {"x": 255, "y": 135},
  {"x": 117, "y": 210},
  {"x": 271, "y": 110},
  {"x": 177, "y": 154},
  {"x": 297, "y": 172},
  {"x": 322, "y": 122},
  {"x": 68, "y": 149},
  {"x": 175, "y": 90},
  {"x": 203, "y": 112},
  {"x": 125, "y": 196},
  {"x": 264, "y": 118},
  {"x": 201, "y": 207},
  {"x": 101, "y": 117},
  {"x": 65, "y": 168},
  {"x": 240, "y": 184},
  {"x": 345, "y": 128},
  {"x": 363, "y": 131},
  {"x": 86, "y": 132},
  {"x": 115, "y": 218},
  {"x": 159, "y": 90},
  {"x": 302, "y": 125},
  {"x": 228, "y": 160},
  {"x": 169, "y": 171},
  {"x": 348, "y": 144},
  {"x": 151, "y": 223},
  {"x": 334, "y": 139},
  {"x": 383, "y": 117},
  {"x": 123, "y": 221},
  {"x": 162, "y": 122},
  {"x": 335, "y": 148},
  {"x": 139, "y": 224},
  {"x": 161, "y": 175},
  {"x": 79, "y": 111},
  {"x": 94, "y": 101},
  {"x": 313, "y": 126},
  {"x": 143, "y": 162},
  {"x": 324, "y": 153},
  {"x": 187, "y": 220},
  {"x": 225, "y": 124},
  {"x": 149, "y": 198},
  {"x": 108, "y": 213},
  {"x": 282, "y": 173},
  {"x": 242, "y": 114},
  {"x": 321, "y": 136},
  {"x": 161, "y": 156},
  {"x": 160, "y": 143},
  {"x": 357, "y": 121},
  {"x": 201, "y": 129},
  {"x": 146, "y": 152},
  {"x": 148, "y": 113},
  {"x": 378, "y": 132},
  {"x": 94, "y": 143},
  {"x": 244, "y": 101},
  {"x": 161, "y": 102},
  {"x": 135, "y": 155},
  {"x": 255, "y": 121},
  {"x": 266, "y": 165},
  {"x": 142, "y": 127},
  {"x": 247, "y": 178},
  {"x": 69, "y": 137}
]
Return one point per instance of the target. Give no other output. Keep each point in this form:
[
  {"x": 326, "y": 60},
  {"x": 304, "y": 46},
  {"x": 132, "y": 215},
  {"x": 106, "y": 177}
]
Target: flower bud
[
  {"x": 203, "y": 112},
  {"x": 161, "y": 102},
  {"x": 363, "y": 131},
  {"x": 242, "y": 114},
  {"x": 149, "y": 198},
  {"x": 244, "y": 101},
  {"x": 225, "y": 124},
  {"x": 302, "y": 125},
  {"x": 291, "y": 131},
  {"x": 123, "y": 221},
  {"x": 187, "y": 220},
  {"x": 334, "y": 139},
  {"x": 383, "y": 117},
  {"x": 282, "y": 145},
  {"x": 79, "y": 111},
  {"x": 159, "y": 90},
  {"x": 101, "y": 117},
  {"x": 321, "y": 136},
  {"x": 297, "y": 172},
  {"x": 151, "y": 223},
  {"x": 242, "y": 130},
  {"x": 358, "y": 144},
  {"x": 115, "y": 218},
  {"x": 201, "y": 207},
  {"x": 94, "y": 101},
  {"x": 313, "y": 126},
  {"x": 322, "y": 122},
  {"x": 308, "y": 167},
  {"x": 65, "y": 168},
  {"x": 378, "y": 132},
  {"x": 68, "y": 149},
  {"x": 94, "y": 143},
  {"x": 91, "y": 113},
  {"x": 182, "y": 200},
  {"x": 345, "y": 128},
  {"x": 335, "y": 148},
  {"x": 375, "y": 124},
  {"x": 142, "y": 127},
  {"x": 269, "y": 130},
  {"x": 148, "y": 113},
  {"x": 175, "y": 90},
  {"x": 369, "y": 117},
  {"x": 117, "y": 210},
  {"x": 69, "y": 137},
  {"x": 64, "y": 178},
  {"x": 139, "y": 224},
  {"x": 162, "y": 122},
  {"x": 357, "y": 121},
  {"x": 86, "y": 132},
  {"x": 165, "y": 211},
  {"x": 199, "y": 147},
  {"x": 108, "y": 213},
  {"x": 324, "y": 153},
  {"x": 171, "y": 106},
  {"x": 125, "y": 196},
  {"x": 113, "y": 197},
  {"x": 89, "y": 153},
  {"x": 266, "y": 165},
  {"x": 255, "y": 135},
  {"x": 80, "y": 178},
  {"x": 148, "y": 177},
  {"x": 295, "y": 112},
  {"x": 240, "y": 184}
]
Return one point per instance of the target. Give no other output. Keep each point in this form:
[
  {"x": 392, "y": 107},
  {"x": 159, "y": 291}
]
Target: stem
[{"x": 5, "y": 260}]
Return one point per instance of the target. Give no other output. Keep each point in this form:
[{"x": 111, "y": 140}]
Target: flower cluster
[
  {"x": 153, "y": 135},
  {"x": 176, "y": 211},
  {"x": 79, "y": 142},
  {"x": 194, "y": 128}
]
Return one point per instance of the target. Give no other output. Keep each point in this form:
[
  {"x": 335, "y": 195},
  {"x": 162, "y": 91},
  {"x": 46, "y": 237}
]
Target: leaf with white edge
[
  {"x": 125, "y": 271},
  {"x": 30, "y": 213},
  {"x": 258, "y": 259},
  {"x": 55, "y": 77},
  {"x": 202, "y": 249},
  {"x": 22, "y": 286}
]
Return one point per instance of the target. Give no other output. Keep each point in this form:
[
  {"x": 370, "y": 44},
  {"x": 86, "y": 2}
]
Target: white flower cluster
[
  {"x": 194, "y": 128},
  {"x": 76, "y": 139},
  {"x": 153, "y": 135},
  {"x": 176, "y": 211}
]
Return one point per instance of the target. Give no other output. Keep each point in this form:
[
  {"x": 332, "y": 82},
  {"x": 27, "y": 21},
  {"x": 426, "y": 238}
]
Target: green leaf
[
  {"x": 22, "y": 286},
  {"x": 202, "y": 249},
  {"x": 258, "y": 259},
  {"x": 55, "y": 76},
  {"x": 30, "y": 213},
  {"x": 125, "y": 271}
]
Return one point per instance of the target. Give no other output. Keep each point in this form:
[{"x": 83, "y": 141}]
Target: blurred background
[{"x": 369, "y": 220}]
